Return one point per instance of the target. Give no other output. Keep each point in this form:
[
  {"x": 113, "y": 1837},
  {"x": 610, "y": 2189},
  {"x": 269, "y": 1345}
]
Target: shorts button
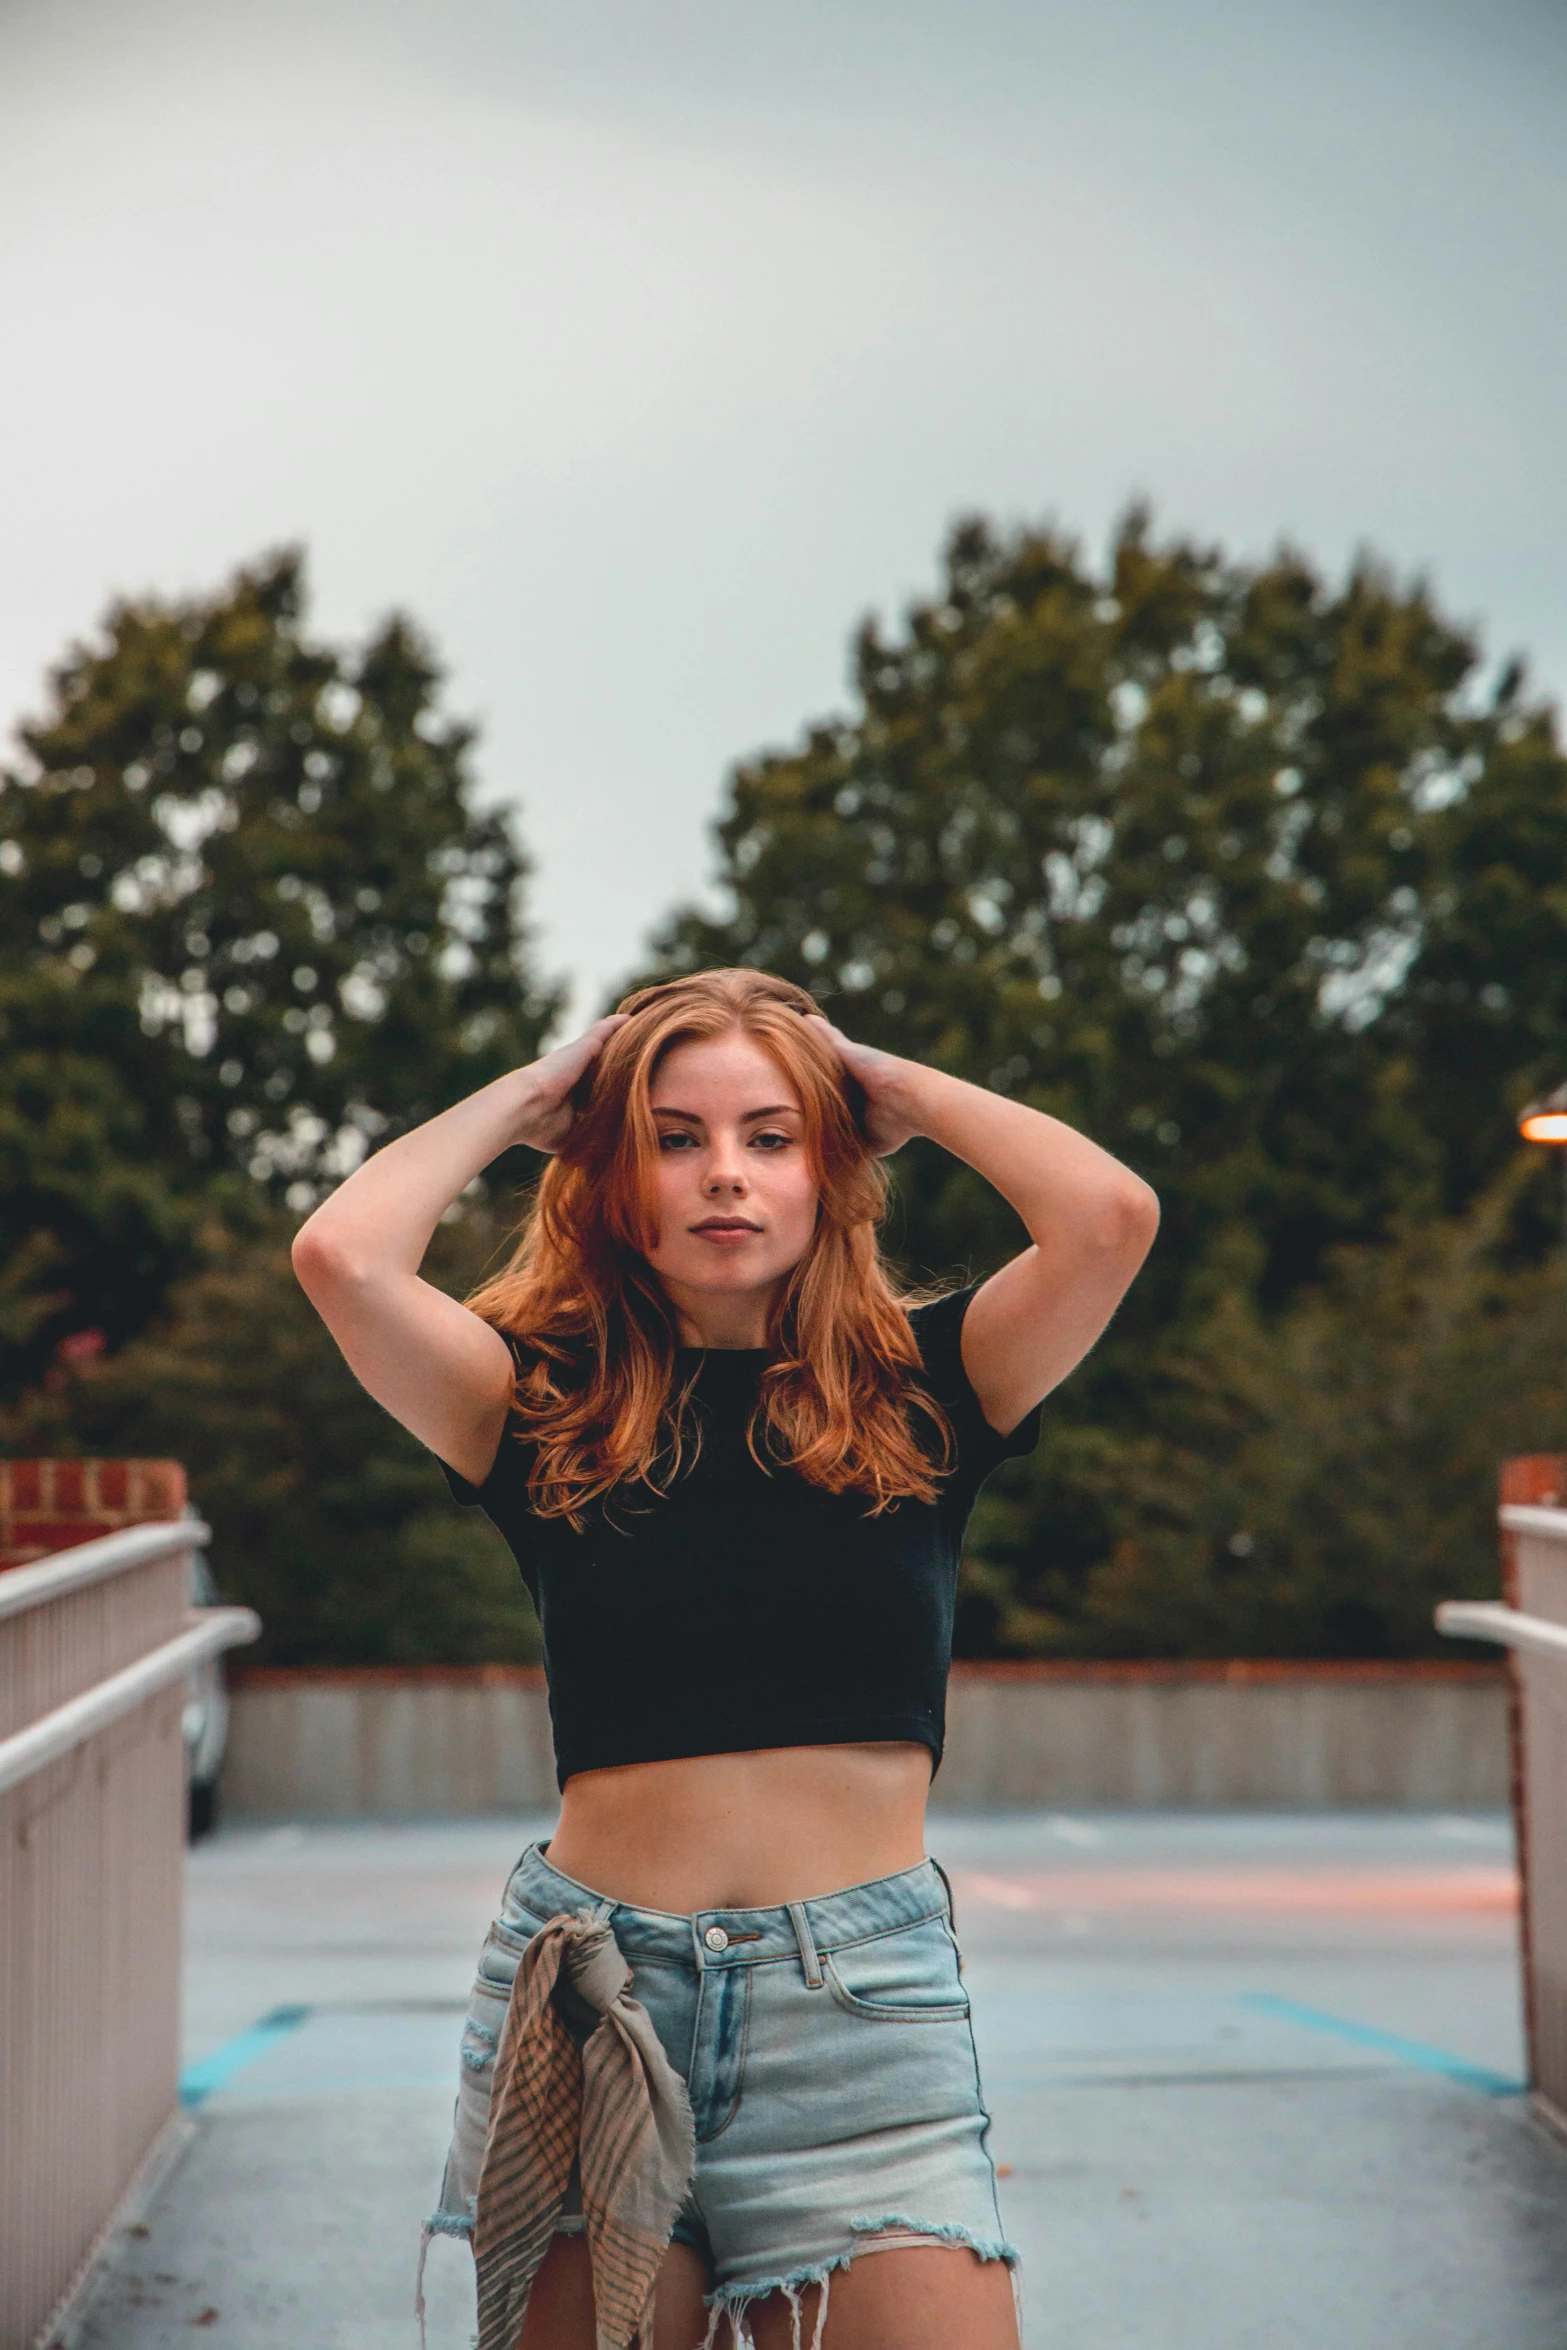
[{"x": 716, "y": 1938}]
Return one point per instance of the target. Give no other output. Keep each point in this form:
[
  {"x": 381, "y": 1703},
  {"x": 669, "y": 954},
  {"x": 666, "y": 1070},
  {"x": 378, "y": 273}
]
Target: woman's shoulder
[
  {"x": 937, "y": 1327},
  {"x": 548, "y": 1370},
  {"x": 561, "y": 1366}
]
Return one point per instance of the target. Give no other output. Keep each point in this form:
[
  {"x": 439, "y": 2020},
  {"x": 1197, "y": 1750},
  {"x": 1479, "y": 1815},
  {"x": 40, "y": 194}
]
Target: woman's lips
[{"x": 726, "y": 1233}]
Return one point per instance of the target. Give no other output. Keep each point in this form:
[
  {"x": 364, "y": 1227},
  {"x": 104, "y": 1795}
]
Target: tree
[
  {"x": 1241, "y": 871},
  {"x": 327, "y": 1517},
  {"x": 1307, "y": 1483},
  {"x": 250, "y": 921}
]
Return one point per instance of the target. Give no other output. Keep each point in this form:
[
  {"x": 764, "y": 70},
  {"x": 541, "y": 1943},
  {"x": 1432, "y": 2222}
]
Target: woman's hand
[
  {"x": 547, "y": 1114},
  {"x": 888, "y": 1084}
]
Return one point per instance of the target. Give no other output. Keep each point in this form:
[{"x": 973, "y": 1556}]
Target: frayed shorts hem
[
  {"x": 730, "y": 2303},
  {"x": 449, "y": 2223}
]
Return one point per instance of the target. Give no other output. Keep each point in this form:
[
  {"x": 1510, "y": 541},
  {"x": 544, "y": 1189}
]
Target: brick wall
[{"x": 52, "y": 1505}]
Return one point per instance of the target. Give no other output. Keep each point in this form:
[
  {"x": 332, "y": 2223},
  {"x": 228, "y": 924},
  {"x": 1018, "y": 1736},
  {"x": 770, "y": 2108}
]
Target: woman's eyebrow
[{"x": 747, "y": 1117}]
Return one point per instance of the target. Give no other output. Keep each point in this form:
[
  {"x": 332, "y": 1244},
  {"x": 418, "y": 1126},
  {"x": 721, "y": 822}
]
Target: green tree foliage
[
  {"x": 327, "y": 1518},
  {"x": 251, "y": 921},
  {"x": 1247, "y": 874},
  {"x": 1310, "y": 1482}
]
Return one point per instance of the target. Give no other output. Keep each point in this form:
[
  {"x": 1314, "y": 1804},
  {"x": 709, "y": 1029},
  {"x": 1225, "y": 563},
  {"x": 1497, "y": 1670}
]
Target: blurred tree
[
  {"x": 1241, "y": 872},
  {"x": 250, "y": 922},
  {"x": 1308, "y": 1483},
  {"x": 326, "y": 1516}
]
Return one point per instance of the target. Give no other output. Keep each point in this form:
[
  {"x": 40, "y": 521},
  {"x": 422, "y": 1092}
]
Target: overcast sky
[{"x": 638, "y": 349}]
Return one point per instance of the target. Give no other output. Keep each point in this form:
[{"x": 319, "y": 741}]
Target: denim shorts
[{"x": 828, "y": 2055}]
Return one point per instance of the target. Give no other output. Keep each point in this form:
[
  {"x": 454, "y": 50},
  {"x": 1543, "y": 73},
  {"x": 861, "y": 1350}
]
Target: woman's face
[{"x": 736, "y": 1192}]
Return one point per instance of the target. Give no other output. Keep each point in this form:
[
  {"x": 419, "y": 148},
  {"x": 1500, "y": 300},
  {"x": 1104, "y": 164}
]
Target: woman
[{"x": 734, "y": 1467}]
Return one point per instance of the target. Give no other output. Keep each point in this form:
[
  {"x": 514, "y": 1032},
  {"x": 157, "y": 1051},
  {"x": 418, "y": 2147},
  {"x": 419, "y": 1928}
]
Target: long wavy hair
[{"x": 597, "y": 1395}]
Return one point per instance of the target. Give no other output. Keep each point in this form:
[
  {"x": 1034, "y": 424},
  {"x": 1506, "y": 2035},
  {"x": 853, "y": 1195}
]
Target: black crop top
[{"x": 747, "y": 1609}]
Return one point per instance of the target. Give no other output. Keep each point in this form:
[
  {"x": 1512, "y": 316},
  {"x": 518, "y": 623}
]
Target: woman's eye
[
  {"x": 676, "y": 1141},
  {"x": 771, "y": 1142}
]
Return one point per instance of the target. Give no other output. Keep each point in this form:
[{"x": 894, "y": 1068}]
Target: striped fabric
[{"x": 616, "y": 2106}]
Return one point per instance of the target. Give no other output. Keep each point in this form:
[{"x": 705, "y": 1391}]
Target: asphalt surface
[{"x": 1255, "y": 2084}]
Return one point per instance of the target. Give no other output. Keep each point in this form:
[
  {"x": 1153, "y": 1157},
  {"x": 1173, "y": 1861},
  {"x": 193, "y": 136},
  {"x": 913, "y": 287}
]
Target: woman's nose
[{"x": 726, "y": 1172}]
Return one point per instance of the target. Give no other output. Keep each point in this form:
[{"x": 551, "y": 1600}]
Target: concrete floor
[{"x": 1254, "y": 2082}]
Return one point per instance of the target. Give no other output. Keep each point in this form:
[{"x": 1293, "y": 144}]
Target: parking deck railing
[
  {"x": 95, "y": 1645},
  {"x": 1531, "y": 1623}
]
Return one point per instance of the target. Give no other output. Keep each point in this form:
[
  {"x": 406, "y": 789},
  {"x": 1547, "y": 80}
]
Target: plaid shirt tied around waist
[{"x": 615, "y": 2106}]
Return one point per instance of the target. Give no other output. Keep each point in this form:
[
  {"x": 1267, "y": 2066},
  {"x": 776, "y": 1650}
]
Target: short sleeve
[
  {"x": 938, "y": 1331},
  {"x": 509, "y": 1469},
  {"x": 506, "y": 1482}
]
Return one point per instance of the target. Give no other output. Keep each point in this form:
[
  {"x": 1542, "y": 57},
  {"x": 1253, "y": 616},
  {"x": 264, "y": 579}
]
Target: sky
[{"x": 638, "y": 348}]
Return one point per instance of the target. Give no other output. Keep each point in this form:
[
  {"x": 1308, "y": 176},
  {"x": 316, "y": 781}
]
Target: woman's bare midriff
[{"x": 744, "y": 1831}]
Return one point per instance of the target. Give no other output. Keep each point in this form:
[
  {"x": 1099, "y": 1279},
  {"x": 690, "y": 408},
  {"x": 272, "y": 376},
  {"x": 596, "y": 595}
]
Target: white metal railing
[
  {"x": 91, "y": 1562},
  {"x": 1532, "y": 1517},
  {"x": 211, "y": 1630},
  {"x": 1488, "y": 1619},
  {"x": 95, "y": 1644},
  {"x": 1532, "y": 1625}
]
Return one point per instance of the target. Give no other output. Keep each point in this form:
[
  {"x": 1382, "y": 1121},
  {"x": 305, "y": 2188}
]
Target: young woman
[{"x": 718, "y": 2043}]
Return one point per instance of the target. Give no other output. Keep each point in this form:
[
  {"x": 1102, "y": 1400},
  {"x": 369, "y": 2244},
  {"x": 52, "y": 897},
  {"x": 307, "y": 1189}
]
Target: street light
[{"x": 1546, "y": 1121}]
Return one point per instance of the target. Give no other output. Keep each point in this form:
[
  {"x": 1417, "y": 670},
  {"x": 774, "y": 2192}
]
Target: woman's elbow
[
  {"x": 1129, "y": 1219},
  {"x": 319, "y": 1259}
]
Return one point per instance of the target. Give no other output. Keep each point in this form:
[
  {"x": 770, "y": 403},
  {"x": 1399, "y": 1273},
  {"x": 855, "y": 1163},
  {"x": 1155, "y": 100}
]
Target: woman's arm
[
  {"x": 1091, "y": 1222},
  {"x": 436, "y": 1367}
]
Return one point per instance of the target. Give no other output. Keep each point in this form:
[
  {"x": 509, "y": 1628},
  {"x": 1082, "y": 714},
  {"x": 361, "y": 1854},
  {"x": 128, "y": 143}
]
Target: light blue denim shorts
[{"x": 828, "y": 2055}]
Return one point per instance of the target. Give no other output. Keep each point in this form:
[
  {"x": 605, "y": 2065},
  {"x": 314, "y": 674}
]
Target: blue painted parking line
[
  {"x": 1413, "y": 2052},
  {"x": 198, "y": 2080}
]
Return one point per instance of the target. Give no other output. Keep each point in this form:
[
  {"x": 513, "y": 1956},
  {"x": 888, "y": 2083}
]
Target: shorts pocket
[
  {"x": 910, "y": 1976},
  {"x": 481, "y": 2031},
  {"x": 481, "y": 2035},
  {"x": 501, "y": 1956}
]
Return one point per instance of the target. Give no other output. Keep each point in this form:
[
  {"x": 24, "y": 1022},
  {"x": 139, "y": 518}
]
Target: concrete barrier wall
[
  {"x": 441, "y": 1741},
  {"x": 445, "y": 1741},
  {"x": 1311, "y": 1736}
]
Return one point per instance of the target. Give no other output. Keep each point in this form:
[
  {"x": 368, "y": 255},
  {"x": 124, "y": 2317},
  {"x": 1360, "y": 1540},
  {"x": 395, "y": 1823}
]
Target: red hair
[{"x": 598, "y": 1399}]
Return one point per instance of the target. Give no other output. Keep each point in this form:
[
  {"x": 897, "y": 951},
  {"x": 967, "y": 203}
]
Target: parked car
[{"x": 206, "y": 1718}]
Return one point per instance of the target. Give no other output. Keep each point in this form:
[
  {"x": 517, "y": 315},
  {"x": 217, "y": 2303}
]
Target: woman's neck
[{"x": 731, "y": 1321}]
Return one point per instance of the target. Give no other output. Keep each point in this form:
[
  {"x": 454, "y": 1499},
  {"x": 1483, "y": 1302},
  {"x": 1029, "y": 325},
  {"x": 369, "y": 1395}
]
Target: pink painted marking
[{"x": 1490, "y": 1890}]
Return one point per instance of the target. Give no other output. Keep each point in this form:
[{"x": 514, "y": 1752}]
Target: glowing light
[{"x": 1546, "y": 1119}]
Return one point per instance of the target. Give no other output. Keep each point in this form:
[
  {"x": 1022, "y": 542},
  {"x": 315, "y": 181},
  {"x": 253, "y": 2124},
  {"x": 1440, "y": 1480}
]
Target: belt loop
[
  {"x": 952, "y": 1912},
  {"x": 802, "y": 1934}
]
